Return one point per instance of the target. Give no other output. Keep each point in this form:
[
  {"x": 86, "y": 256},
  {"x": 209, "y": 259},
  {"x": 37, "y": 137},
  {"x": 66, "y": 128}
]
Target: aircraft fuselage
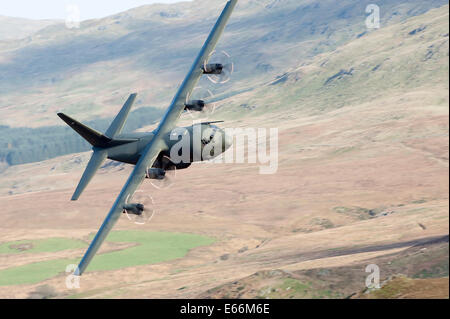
[{"x": 207, "y": 134}]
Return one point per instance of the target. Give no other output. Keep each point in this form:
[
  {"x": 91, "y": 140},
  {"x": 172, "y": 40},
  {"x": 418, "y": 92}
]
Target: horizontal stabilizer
[
  {"x": 95, "y": 138},
  {"x": 211, "y": 122},
  {"x": 94, "y": 164}
]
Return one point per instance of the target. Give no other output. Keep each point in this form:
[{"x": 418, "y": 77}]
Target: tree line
[{"x": 21, "y": 145}]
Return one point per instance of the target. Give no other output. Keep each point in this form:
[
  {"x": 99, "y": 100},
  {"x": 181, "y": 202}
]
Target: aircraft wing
[
  {"x": 158, "y": 144},
  {"x": 196, "y": 72},
  {"x": 133, "y": 182}
]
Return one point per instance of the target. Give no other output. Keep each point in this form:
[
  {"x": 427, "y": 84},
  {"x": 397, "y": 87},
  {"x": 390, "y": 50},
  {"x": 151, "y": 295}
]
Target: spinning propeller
[
  {"x": 221, "y": 69},
  {"x": 200, "y": 104},
  {"x": 140, "y": 208},
  {"x": 170, "y": 174}
]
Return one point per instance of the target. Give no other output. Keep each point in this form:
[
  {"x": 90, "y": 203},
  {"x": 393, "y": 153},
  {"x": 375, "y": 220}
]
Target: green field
[
  {"x": 48, "y": 245},
  {"x": 151, "y": 248}
]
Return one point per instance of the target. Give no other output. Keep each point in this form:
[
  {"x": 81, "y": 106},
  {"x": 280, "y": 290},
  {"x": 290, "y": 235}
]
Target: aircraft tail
[
  {"x": 119, "y": 122},
  {"x": 100, "y": 142},
  {"x": 94, "y": 138}
]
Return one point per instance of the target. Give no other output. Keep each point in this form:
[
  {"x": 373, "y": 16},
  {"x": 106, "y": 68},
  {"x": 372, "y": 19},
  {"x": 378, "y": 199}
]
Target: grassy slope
[
  {"x": 391, "y": 66},
  {"x": 407, "y": 288},
  {"x": 348, "y": 281},
  {"x": 48, "y": 245},
  {"x": 76, "y": 71},
  {"x": 387, "y": 63},
  {"x": 152, "y": 247},
  {"x": 18, "y": 28}
]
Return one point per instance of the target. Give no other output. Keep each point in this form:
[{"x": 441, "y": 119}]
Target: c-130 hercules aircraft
[{"x": 150, "y": 152}]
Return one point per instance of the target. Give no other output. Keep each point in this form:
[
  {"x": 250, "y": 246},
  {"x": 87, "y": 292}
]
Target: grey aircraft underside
[{"x": 151, "y": 152}]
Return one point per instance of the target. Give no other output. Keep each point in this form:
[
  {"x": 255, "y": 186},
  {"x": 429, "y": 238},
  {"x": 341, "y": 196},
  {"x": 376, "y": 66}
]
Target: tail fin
[
  {"x": 100, "y": 142},
  {"x": 119, "y": 122},
  {"x": 95, "y": 138},
  {"x": 96, "y": 161}
]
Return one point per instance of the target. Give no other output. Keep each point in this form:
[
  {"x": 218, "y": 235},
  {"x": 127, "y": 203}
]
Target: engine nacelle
[
  {"x": 196, "y": 105},
  {"x": 156, "y": 173},
  {"x": 135, "y": 209},
  {"x": 216, "y": 68}
]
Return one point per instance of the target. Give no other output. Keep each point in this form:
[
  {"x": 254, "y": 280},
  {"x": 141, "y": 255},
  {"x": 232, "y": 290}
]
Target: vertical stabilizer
[{"x": 119, "y": 122}]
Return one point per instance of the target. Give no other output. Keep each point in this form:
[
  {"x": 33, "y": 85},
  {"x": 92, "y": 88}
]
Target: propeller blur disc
[
  {"x": 149, "y": 208},
  {"x": 203, "y": 94},
  {"x": 228, "y": 67},
  {"x": 170, "y": 176}
]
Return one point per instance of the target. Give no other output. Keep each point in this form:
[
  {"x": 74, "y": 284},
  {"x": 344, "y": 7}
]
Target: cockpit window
[{"x": 207, "y": 140}]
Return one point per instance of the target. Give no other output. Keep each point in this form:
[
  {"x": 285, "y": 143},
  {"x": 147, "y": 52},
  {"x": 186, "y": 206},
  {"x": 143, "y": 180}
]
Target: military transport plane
[{"x": 150, "y": 152}]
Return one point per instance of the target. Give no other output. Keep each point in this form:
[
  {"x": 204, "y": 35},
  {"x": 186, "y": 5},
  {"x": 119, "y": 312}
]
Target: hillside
[
  {"x": 75, "y": 71},
  {"x": 362, "y": 179},
  {"x": 420, "y": 271},
  {"x": 19, "y": 28},
  {"x": 152, "y": 47}
]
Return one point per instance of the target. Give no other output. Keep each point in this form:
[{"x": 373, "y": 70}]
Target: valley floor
[{"x": 343, "y": 198}]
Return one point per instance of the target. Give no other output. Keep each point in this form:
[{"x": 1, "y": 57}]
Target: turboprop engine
[{"x": 156, "y": 173}]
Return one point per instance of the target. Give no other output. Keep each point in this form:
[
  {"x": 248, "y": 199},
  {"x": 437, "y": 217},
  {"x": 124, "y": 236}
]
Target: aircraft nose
[{"x": 228, "y": 141}]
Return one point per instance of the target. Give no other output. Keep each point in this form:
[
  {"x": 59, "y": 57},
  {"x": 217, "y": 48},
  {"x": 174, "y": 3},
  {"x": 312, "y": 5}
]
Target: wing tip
[
  {"x": 67, "y": 119},
  {"x": 75, "y": 196},
  {"x": 77, "y": 272},
  {"x": 132, "y": 96}
]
